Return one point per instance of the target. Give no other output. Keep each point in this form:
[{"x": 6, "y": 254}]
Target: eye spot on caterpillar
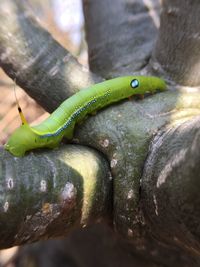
[
  {"x": 10, "y": 183},
  {"x": 134, "y": 83}
]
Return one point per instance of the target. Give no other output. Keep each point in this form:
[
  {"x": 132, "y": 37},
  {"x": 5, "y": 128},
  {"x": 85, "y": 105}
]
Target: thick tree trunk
[{"x": 178, "y": 46}]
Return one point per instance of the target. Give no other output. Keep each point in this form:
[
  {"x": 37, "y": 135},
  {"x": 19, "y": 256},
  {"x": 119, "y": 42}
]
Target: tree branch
[
  {"x": 41, "y": 66},
  {"x": 170, "y": 192},
  {"x": 178, "y": 46},
  {"x": 115, "y": 35},
  {"x": 127, "y": 131},
  {"x": 46, "y": 195}
]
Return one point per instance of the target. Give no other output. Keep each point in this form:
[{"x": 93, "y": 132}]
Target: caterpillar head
[
  {"x": 144, "y": 84},
  {"x": 21, "y": 140}
]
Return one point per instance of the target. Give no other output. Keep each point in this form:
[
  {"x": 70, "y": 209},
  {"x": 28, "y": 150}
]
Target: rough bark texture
[
  {"x": 125, "y": 139},
  {"x": 170, "y": 192},
  {"x": 46, "y": 195},
  {"x": 144, "y": 203},
  {"x": 119, "y": 27}
]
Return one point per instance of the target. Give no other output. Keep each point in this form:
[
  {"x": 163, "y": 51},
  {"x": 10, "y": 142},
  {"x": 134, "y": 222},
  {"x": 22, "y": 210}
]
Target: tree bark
[
  {"x": 170, "y": 195},
  {"x": 46, "y": 195},
  {"x": 115, "y": 35},
  {"x": 178, "y": 47}
]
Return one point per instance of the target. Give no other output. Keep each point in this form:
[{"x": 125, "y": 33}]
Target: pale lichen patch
[
  {"x": 10, "y": 183},
  {"x": 54, "y": 70},
  {"x": 6, "y": 206},
  {"x": 104, "y": 143},
  {"x": 43, "y": 186},
  {"x": 69, "y": 192},
  {"x": 156, "y": 204},
  {"x": 130, "y": 194},
  {"x": 113, "y": 163}
]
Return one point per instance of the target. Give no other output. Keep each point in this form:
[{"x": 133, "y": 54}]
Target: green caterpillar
[{"x": 62, "y": 121}]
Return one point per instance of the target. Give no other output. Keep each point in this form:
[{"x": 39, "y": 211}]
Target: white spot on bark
[
  {"x": 156, "y": 204},
  {"x": 53, "y": 169},
  {"x": 110, "y": 176},
  {"x": 28, "y": 217},
  {"x": 3, "y": 56},
  {"x": 104, "y": 143},
  {"x": 173, "y": 10},
  {"x": 173, "y": 161},
  {"x": 6, "y": 54},
  {"x": 10, "y": 183},
  {"x": 113, "y": 163},
  {"x": 130, "y": 194},
  {"x": 154, "y": 15},
  {"x": 69, "y": 192},
  {"x": 156, "y": 66},
  {"x": 43, "y": 186},
  {"x": 130, "y": 232},
  {"x": 196, "y": 36},
  {"x": 53, "y": 71},
  {"x": 66, "y": 58},
  {"x": 6, "y": 206}
]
